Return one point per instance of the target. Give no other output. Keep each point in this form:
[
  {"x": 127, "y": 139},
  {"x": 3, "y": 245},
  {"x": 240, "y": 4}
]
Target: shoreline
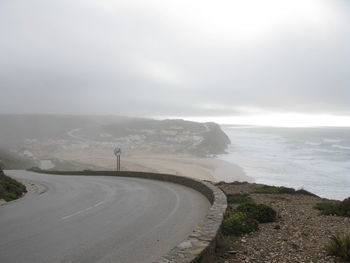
[
  {"x": 293, "y": 158},
  {"x": 204, "y": 168}
]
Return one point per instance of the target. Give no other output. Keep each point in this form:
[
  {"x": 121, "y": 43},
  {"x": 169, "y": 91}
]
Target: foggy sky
[{"x": 174, "y": 58}]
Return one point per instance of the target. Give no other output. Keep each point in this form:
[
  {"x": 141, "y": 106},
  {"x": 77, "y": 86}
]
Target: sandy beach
[
  {"x": 210, "y": 169},
  {"x": 203, "y": 168}
]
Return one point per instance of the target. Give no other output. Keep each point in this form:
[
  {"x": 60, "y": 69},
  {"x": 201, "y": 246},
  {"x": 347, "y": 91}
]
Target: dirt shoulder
[
  {"x": 32, "y": 188},
  {"x": 300, "y": 233},
  {"x": 10, "y": 189}
]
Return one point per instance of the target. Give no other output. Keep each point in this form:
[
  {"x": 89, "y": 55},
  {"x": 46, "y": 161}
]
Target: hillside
[
  {"x": 47, "y": 140},
  {"x": 11, "y": 160}
]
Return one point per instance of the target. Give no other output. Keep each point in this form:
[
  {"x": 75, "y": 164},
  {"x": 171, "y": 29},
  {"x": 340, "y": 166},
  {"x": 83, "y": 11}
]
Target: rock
[{"x": 185, "y": 245}]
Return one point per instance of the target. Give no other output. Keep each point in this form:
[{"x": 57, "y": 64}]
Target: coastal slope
[{"x": 64, "y": 142}]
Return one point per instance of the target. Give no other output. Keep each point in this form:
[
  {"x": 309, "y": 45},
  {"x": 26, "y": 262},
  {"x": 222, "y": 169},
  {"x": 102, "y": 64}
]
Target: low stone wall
[{"x": 200, "y": 245}]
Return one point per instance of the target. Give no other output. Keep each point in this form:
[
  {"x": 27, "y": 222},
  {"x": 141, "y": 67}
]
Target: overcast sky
[{"x": 174, "y": 58}]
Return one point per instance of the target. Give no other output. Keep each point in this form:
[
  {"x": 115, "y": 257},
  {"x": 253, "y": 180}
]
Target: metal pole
[
  {"x": 118, "y": 163},
  {"x": 117, "y": 152}
]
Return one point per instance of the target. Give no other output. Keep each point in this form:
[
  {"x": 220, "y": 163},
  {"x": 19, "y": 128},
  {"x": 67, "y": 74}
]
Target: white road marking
[{"x": 82, "y": 211}]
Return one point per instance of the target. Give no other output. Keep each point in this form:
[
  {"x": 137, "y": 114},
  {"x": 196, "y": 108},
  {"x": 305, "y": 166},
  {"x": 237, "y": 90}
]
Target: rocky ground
[{"x": 300, "y": 233}]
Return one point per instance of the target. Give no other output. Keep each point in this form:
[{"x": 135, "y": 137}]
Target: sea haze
[{"x": 316, "y": 159}]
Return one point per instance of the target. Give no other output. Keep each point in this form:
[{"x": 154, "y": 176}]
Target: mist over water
[{"x": 316, "y": 159}]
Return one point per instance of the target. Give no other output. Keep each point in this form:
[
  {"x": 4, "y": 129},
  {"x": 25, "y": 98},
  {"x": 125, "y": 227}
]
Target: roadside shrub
[
  {"x": 339, "y": 247},
  {"x": 10, "y": 189},
  {"x": 305, "y": 192},
  {"x": 238, "y": 183},
  {"x": 238, "y": 223},
  {"x": 267, "y": 189},
  {"x": 239, "y": 199},
  {"x": 260, "y": 212},
  {"x": 345, "y": 205},
  {"x": 338, "y": 209},
  {"x": 9, "y": 196},
  {"x": 328, "y": 208},
  {"x": 223, "y": 245}
]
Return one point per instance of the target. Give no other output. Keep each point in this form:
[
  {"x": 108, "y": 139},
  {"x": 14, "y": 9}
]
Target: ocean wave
[
  {"x": 331, "y": 140},
  {"x": 239, "y": 126},
  {"x": 318, "y": 161},
  {"x": 341, "y": 147},
  {"x": 313, "y": 143}
]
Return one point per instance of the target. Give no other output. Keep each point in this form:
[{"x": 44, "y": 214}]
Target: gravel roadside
[
  {"x": 300, "y": 233},
  {"x": 33, "y": 188}
]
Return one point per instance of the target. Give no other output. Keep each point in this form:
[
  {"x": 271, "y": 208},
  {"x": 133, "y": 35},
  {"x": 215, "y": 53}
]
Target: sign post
[{"x": 118, "y": 152}]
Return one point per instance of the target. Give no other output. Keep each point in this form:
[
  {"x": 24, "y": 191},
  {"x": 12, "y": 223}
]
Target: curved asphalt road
[{"x": 97, "y": 219}]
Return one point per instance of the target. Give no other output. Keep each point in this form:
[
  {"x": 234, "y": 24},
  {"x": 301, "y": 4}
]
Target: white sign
[{"x": 117, "y": 151}]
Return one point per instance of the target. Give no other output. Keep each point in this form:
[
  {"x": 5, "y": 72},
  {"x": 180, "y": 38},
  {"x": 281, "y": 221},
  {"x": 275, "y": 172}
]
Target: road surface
[{"x": 97, "y": 219}]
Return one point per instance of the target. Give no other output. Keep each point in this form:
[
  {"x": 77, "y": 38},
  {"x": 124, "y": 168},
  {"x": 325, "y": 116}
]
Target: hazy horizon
[
  {"x": 274, "y": 63},
  {"x": 287, "y": 120}
]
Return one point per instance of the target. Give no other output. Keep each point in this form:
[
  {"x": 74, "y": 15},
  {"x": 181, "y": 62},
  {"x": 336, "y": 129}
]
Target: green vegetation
[
  {"x": 260, "y": 212},
  {"x": 245, "y": 218},
  {"x": 239, "y": 199},
  {"x": 340, "y": 247},
  {"x": 337, "y": 209},
  {"x": 238, "y": 223},
  {"x": 266, "y": 189},
  {"x": 10, "y": 189},
  {"x": 224, "y": 245}
]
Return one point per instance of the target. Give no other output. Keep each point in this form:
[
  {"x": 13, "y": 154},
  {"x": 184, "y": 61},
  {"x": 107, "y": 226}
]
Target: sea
[{"x": 314, "y": 159}]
